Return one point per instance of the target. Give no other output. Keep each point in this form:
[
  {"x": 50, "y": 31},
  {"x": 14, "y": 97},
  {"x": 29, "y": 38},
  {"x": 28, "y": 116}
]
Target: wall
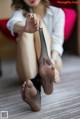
[
  {"x": 5, "y": 9},
  {"x": 7, "y": 47}
]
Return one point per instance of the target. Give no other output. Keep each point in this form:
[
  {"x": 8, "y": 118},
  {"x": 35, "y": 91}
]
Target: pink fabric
[{"x": 70, "y": 19}]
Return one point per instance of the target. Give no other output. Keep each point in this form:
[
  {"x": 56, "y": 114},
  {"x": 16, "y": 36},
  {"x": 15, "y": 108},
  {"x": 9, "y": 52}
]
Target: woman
[{"x": 33, "y": 66}]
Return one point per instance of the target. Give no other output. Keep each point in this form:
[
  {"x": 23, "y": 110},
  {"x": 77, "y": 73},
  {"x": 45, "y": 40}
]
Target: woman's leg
[
  {"x": 48, "y": 75},
  {"x": 27, "y": 69},
  {"x": 26, "y": 57},
  {"x": 38, "y": 42}
]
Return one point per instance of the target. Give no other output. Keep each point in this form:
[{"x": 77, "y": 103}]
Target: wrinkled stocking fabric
[{"x": 44, "y": 52}]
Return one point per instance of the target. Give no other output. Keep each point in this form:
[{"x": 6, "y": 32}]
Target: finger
[
  {"x": 57, "y": 80},
  {"x": 36, "y": 21},
  {"x": 30, "y": 15},
  {"x": 40, "y": 24},
  {"x": 52, "y": 67},
  {"x": 35, "y": 18},
  {"x": 37, "y": 24}
]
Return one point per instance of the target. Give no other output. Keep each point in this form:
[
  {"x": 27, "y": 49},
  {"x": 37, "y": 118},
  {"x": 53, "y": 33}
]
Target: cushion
[
  {"x": 5, "y": 31},
  {"x": 70, "y": 19}
]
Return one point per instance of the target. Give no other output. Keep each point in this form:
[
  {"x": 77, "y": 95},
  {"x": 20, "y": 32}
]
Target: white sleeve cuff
[
  {"x": 10, "y": 26},
  {"x": 58, "y": 48}
]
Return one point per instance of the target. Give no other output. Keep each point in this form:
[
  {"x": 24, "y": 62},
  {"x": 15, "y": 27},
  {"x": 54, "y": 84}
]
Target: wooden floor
[{"x": 64, "y": 103}]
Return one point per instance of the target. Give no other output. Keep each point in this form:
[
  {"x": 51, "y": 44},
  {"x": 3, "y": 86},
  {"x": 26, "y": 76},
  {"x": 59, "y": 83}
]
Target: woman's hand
[{"x": 33, "y": 23}]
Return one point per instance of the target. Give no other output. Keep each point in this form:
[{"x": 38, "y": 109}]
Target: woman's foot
[
  {"x": 47, "y": 73},
  {"x": 31, "y": 95}
]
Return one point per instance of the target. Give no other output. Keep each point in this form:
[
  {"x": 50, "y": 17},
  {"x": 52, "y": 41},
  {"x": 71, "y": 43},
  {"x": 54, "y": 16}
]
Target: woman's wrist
[
  {"x": 54, "y": 56},
  {"x": 19, "y": 28},
  {"x": 53, "y": 61}
]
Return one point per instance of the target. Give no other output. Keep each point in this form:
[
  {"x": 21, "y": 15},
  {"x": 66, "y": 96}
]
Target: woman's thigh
[{"x": 26, "y": 57}]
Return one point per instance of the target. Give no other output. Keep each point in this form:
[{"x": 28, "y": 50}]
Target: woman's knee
[{"x": 24, "y": 37}]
